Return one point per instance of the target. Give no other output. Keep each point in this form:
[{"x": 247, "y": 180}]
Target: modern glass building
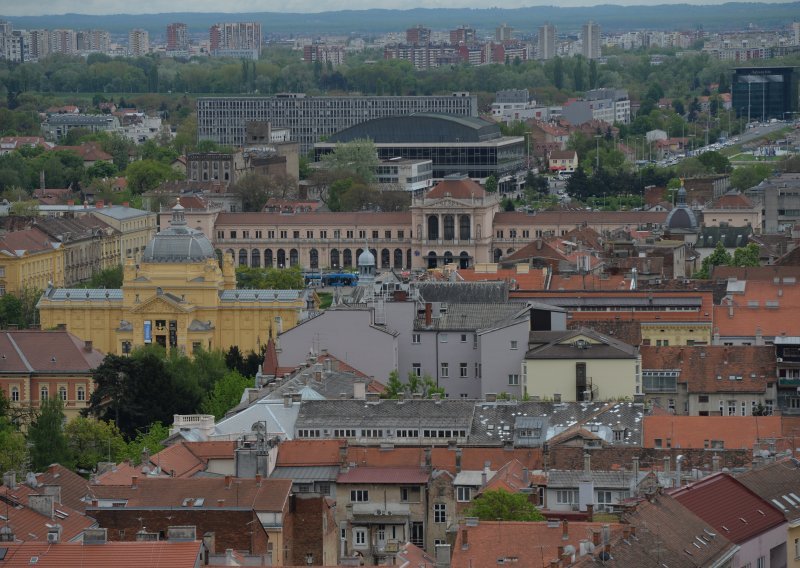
[{"x": 762, "y": 93}]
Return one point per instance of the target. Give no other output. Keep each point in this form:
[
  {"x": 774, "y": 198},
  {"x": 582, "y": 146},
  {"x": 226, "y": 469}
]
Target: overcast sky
[{"x": 12, "y": 8}]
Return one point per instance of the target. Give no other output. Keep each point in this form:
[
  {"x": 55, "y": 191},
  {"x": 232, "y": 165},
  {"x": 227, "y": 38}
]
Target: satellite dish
[{"x": 258, "y": 427}]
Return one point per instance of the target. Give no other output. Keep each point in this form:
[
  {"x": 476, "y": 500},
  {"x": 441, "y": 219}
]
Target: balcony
[
  {"x": 389, "y": 510},
  {"x": 788, "y": 382},
  {"x": 448, "y": 242}
]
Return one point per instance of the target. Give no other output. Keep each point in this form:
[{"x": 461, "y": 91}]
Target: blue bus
[
  {"x": 313, "y": 279},
  {"x": 339, "y": 279}
]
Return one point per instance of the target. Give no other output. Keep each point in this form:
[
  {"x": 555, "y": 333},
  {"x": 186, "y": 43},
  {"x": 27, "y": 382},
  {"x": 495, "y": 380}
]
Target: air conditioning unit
[
  {"x": 779, "y": 359},
  {"x": 379, "y": 512},
  {"x": 388, "y": 512},
  {"x": 52, "y": 537}
]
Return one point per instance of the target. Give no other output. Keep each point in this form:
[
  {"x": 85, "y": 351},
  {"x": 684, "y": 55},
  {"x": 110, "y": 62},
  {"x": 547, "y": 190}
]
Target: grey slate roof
[
  {"x": 563, "y": 348},
  {"x": 494, "y": 423},
  {"x": 121, "y": 212},
  {"x": 260, "y": 295},
  {"x": 84, "y": 295},
  {"x": 624, "y": 480},
  {"x": 386, "y": 414},
  {"x": 468, "y": 317},
  {"x": 463, "y": 292},
  {"x": 306, "y": 473}
]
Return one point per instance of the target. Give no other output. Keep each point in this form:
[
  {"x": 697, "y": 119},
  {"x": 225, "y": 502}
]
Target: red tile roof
[
  {"x": 88, "y": 152},
  {"x": 28, "y": 524},
  {"x": 731, "y": 508},
  {"x": 153, "y": 554},
  {"x": 316, "y": 218},
  {"x": 309, "y": 452},
  {"x": 708, "y": 369},
  {"x": 749, "y": 311},
  {"x": 510, "y": 478},
  {"x": 731, "y": 201},
  {"x": 526, "y": 545},
  {"x": 28, "y": 240},
  {"x": 575, "y": 217},
  {"x": 391, "y": 475},
  {"x": 160, "y": 493},
  {"x": 589, "y": 282},
  {"x": 737, "y": 432},
  {"x": 73, "y": 487},
  {"x": 457, "y": 188},
  {"x": 534, "y": 279},
  {"x": 37, "y": 351}
]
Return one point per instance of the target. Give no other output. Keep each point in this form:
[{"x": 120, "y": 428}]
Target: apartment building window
[
  {"x": 514, "y": 344},
  {"x": 477, "y": 369},
  {"x": 233, "y": 235},
  {"x": 474, "y": 340},
  {"x": 259, "y": 234},
  {"x": 62, "y": 392},
  {"x": 768, "y": 406},
  {"x": 284, "y": 234},
  {"x": 359, "y": 496},
  {"x": 567, "y": 496},
  {"x": 295, "y": 235},
  {"x": 359, "y": 537},
  {"x": 337, "y": 234},
  {"x": 245, "y": 234},
  {"x": 526, "y": 233},
  {"x": 349, "y": 234},
  {"x": 444, "y": 370},
  {"x": 309, "y": 234},
  {"x": 513, "y": 379},
  {"x": 463, "y": 338},
  {"x": 344, "y": 433},
  {"x": 439, "y": 513},
  {"x": 44, "y": 394},
  {"x": 362, "y": 234},
  {"x": 731, "y": 408},
  {"x": 220, "y": 235},
  {"x": 463, "y": 494},
  {"x": 462, "y": 370},
  {"x": 375, "y": 235},
  {"x": 387, "y": 235},
  {"x": 702, "y": 398},
  {"x": 416, "y": 368},
  {"x": 744, "y": 408},
  {"x": 500, "y": 233},
  {"x": 270, "y": 234},
  {"x": 416, "y": 338},
  {"x": 409, "y": 494},
  {"x": 761, "y": 562},
  {"x": 400, "y": 234},
  {"x": 323, "y": 234}
]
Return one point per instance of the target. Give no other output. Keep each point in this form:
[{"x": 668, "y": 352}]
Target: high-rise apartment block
[
  {"x": 63, "y": 41},
  {"x": 333, "y": 54},
  {"x": 236, "y": 39},
  {"x": 463, "y": 35},
  {"x": 547, "y": 42},
  {"x": 224, "y": 119},
  {"x": 138, "y": 42},
  {"x": 93, "y": 41},
  {"x": 177, "y": 37},
  {"x": 503, "y": 33},
  {"x": 418, "y": 35},
  {"x": 591, "y": 40}
]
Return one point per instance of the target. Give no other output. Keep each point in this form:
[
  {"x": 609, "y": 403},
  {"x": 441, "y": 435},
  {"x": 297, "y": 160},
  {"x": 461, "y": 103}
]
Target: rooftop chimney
[
  {"x": 666, "y": 464},
  {"x": 715, "y": 463},
  {"x": 134, "y": 481},
  {"x": 42, "y": 504},
  {"x": 87, "y": 346},
  {"x": 464, "y": 539},
  {"x": 287, "y": 400},
  {"x": 485, "y": 474},
  {"x": 564, "y": 530},
  {"x": 10, "y": 479}
]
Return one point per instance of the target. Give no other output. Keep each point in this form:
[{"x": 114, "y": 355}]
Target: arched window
[
  {"x": 268, "y": 258},
  {"x": 449, "y": 227},
  {"x": 448, "y": 257},
  {"x": 398, "y": 258},
  {"x": 408, "y": 258},
  {"x": 281, "y": 258},
  {"x": 313, "y": 258},
  {"x": 44, "y": 393},
  {"x": 81, "y": 393},
  {"x": 464, "y": 227},
  {"x": 62, "y": 392},
  {"x": 242, "y": 257},
  {"x": 335, "y": 263},
  {"x": 14, "y": 394},
  {"x": 497, "y": 255},
  {"x": 294, "y": 257},
  {"x": 463, "y": 260},
  {"x": 433, "y": 228},
  {"x": 386, "y": 258},
  {"x": 255, "y": 258},
  {"x": 347, "y": 258},
  {"x": 431, "y": 259}
]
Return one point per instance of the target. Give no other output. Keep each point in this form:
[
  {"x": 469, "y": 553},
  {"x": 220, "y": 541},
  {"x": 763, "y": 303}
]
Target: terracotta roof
[
  {"x": 178, "y": 461},
  {"x": 534, "y": 279},
  {"x": 28, "y": 524},
  {"x": 767, "y": 273},
  {"x": 309, "y": 452},
  {"x": 526, "y": 545},
  {"x": 153, "y": 554},
  {"x": 716, "y": 369},
  {"x": 316, "y": 218},
  {"x": 576, "y": 217},
  {"x": 510, "y": 478},
  {"x": 164, "y": 493},
  {"x": 589, "y": 282},
  {"x": 731, "y": 200},
  {"x": 37, "y": 351},
  {"x": 218, "y": 449},
  {"x": 629, "y": 331},
  {"x": 73, "y": 487},
  {"x": 737, "y": 432},
  {"x": 410, "y": 556},
  {"x": 563, "y": 155},
  {"x": 772, "y": 309},
  {"x": 457, "y": 188},
  {"x": 88, "y": 152},
  {"x": 390, "y": 475},
  {"x": 27, "y": 241},
  {"x": 665, "y": 525},
  {"x": 730, "y": 507}
]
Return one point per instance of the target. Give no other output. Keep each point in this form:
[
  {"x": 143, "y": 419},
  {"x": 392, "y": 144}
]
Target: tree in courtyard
[
  {"x": 226, "y": 394},
  {"x": 47, "y": 438},
  {"x": 720, "y": 257},
  {"x": 91, "y": 441},
  {"x": 13, "y": 450},
  {"x": 500, "y": 504},
  {"x": 360, "y": 157}
]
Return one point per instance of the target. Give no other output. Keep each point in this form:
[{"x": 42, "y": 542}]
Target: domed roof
[
  {"x": 178, "y": 243},
  {"x": 366, "y": 258},
  {"x": 682, "y": 217}
]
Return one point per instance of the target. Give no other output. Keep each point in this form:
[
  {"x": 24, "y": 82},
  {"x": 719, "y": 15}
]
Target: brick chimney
[
  {"x": 564, "y": 530},
  {"x": 134, "y": 481},
  {"x": 87, "y": 346}
]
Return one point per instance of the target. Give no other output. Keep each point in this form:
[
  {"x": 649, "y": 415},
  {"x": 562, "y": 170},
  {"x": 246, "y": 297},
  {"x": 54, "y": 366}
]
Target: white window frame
[
  {"x": 463, "y": 494},
  {"x": 359, "y": 537},
  {"x": 439, "y": 513},
  {"x": 416, "y": 338},
  {"x": 444, "y": 370},
  {"x": 463, "y": 370}
]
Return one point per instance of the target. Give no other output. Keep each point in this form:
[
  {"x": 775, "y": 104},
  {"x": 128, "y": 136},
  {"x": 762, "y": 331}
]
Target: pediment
[{"x": 162, "y": 305}]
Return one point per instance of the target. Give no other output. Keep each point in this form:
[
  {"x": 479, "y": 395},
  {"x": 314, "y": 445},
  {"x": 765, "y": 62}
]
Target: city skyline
[{"x": 149, "y": 7}]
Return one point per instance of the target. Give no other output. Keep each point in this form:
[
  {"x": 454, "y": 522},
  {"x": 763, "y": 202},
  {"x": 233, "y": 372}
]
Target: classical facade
[
  {"x": 177, "y": 296},
  {"x": 29, "y": 259}
]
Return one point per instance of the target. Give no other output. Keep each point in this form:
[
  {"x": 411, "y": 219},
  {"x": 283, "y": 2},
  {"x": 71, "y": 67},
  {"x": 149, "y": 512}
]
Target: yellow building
[
  {"x": 580, "y": 365},
  {"x": 30, "y": 259},
  {"x": 177, "y": 297}
]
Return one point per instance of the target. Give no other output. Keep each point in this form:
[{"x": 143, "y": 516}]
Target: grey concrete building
[{"x": 224, "y": 119}]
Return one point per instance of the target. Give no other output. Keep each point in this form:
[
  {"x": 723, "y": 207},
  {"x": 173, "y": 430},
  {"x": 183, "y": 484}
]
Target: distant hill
[{"x": 729, "y": 16}]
